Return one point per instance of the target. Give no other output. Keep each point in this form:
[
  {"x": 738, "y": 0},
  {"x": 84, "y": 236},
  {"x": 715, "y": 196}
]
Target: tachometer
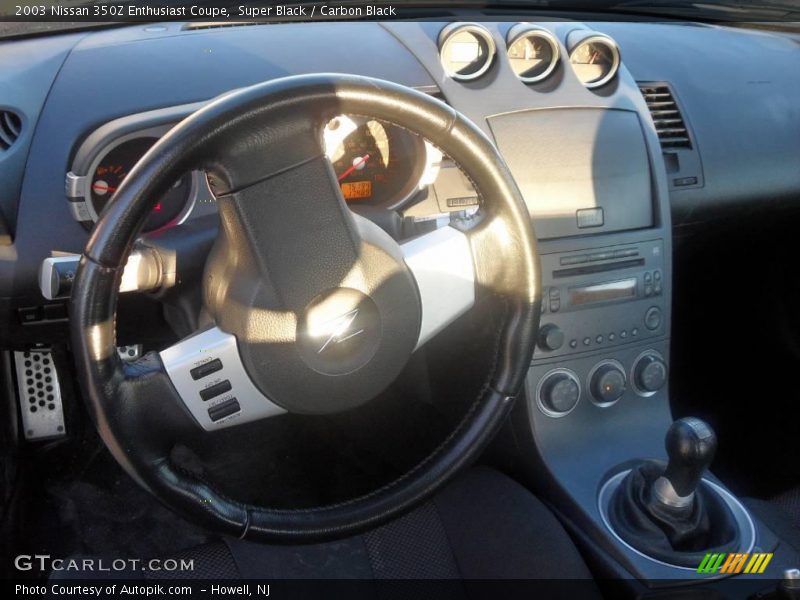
[
  {"x": 374, "y": 162},
  {"x": 114, "y": 167}
]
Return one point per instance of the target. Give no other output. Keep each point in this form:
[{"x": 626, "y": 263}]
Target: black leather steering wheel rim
[{"x": 135, "y": 406}]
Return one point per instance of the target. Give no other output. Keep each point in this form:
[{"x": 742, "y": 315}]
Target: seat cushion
[{"x": 482, "y": 526}]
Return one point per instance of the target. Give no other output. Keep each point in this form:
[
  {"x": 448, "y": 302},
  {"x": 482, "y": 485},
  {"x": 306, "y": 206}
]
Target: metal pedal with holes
[{"x": 39, "y": 395}]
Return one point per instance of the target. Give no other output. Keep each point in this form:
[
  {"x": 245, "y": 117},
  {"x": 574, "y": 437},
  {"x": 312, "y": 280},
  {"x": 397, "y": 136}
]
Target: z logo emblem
[{"x": 339, "y": 329}]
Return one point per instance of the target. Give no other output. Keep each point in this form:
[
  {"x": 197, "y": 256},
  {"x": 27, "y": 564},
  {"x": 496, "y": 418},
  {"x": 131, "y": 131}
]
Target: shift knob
[{"x": 690, "y": 444}]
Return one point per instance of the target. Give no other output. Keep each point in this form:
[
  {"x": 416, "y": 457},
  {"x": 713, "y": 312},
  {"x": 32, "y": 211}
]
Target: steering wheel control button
[
  {"x": 224, "y": 409},
  {"x": 551, "y": 337},
  {"x": 652, "y": 318},
  {"x": 183, "y": 361},
  {"x": 607, "y": 383},
  {"x": 216, "y": 390},
  {"x": 558, "y": 393},
  {"x": 206, "y": 369},
  {"x": 339, "y": 332}
]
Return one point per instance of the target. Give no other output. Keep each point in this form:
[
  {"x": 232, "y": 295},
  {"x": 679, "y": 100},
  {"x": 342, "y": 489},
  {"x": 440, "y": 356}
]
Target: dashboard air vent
[
  {"x": 672, "y": 131},
  {"x": 10, "y": 128}
]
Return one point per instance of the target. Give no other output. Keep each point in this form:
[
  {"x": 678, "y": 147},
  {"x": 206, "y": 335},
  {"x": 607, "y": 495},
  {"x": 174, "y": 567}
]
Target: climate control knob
[
  {"x": 650, "y": 373},
  {"x": 550, "y": 337},
  {"x": 607, "y": 383},
  {"x": 559, "y": 392}
]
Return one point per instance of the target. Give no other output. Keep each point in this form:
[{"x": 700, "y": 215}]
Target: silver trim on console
[{"x": 205, "y": 347}]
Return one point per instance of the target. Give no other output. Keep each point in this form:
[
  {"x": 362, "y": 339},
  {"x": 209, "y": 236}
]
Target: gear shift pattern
[{"x": 691, "y": 445}]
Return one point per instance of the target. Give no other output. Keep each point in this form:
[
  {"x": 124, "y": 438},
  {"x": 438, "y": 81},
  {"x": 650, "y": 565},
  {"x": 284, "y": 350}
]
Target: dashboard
[{"x": 656, "y": 124}]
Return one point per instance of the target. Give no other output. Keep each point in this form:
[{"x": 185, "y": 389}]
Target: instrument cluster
[{"x": 375, "y": 163}]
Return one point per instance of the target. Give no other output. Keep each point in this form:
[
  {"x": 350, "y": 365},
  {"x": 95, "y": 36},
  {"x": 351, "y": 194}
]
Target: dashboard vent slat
[
  {"x": 10, "y": 129},
  {"x": 670, "y": 126}
]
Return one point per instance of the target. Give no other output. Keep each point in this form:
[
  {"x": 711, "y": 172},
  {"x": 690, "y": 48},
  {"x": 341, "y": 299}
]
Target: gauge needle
[
  {"x": 103, "y": 187},
  {"x": 356, "y": 164}
]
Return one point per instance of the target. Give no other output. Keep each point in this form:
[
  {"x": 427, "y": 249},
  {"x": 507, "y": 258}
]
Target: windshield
[{"x": 26, "y": 18}]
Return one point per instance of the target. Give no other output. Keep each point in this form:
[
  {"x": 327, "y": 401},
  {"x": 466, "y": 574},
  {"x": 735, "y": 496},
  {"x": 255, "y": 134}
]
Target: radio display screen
[{"x": 603, "y": 292}]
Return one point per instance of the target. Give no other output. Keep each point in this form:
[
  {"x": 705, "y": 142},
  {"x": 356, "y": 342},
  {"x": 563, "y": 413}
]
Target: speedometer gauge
[
  {"x": 595, "y": 60},
  {"x": 374, "y": 162},
  {"x": 114, "y": 167}
]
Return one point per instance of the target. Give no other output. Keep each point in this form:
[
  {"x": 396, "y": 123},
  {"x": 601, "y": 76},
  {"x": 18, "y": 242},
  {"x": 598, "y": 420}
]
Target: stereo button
[
  {"x": 551, "y": 337},
  {"x": 652, "y": 318}
]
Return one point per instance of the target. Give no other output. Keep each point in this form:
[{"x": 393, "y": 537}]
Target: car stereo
[{"x": 601, "y": 297}]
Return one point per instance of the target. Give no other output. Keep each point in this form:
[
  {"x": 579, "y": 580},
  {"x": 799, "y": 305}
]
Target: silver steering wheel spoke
[{"x": 442, "y": 265}]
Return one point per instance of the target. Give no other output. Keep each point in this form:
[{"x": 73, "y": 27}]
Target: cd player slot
[{"x": 599, "y": 268}]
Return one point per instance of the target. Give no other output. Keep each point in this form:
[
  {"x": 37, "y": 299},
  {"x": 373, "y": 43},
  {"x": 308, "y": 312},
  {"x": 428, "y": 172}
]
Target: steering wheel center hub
[{"x": 339, "y": 331}]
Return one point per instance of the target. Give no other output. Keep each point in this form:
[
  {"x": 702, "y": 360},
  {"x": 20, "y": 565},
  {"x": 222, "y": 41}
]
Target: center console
[{"x": 588, "y": 160}]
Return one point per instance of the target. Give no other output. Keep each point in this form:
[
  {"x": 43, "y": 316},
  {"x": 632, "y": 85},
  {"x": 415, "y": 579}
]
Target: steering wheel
[{"x": 314, "y": 309}]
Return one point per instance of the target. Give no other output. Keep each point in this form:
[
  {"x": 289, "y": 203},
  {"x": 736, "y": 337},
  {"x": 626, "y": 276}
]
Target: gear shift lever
[
  {"x": 691, "y": 445},
  {"x": 667, "y": 513}
]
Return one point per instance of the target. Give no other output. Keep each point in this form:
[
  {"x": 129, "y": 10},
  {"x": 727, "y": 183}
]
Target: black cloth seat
[{"x": 481, "y": 526}]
